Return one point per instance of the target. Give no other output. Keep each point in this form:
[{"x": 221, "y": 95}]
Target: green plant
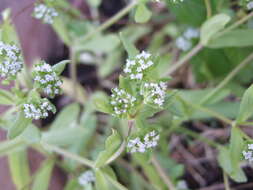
[{"x": 141, "y": 113}]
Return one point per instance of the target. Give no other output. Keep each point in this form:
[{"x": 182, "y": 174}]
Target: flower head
[
  {"x": 140, "y": 145},
  {"x": 183, "y": 43},
  {"x": 11, "y": 61},
  {"x": 248, "y": 155},
  {"x": 137, "y": 67},
  {"x": 122, "y": 102},
  {"x": 86, "y": 178},
  {"x": 46, "y": 14},
  {"x": 154, "y": 93},
  {"x": 47, "y": 79},
  {"x": 191, "y": 33},
  {"x": 38, "y": 109}
]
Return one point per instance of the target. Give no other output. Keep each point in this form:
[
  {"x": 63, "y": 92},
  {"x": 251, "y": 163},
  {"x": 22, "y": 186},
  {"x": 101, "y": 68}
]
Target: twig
[
  {"x": 228, "y": 78},
  {"x": 162, "y": 174},
  {"x": 208, "y": 8},
  {"x": 184, "y": 60},
  {"x": 226, "y": 182},
  {"x": 67, "y": 154}
]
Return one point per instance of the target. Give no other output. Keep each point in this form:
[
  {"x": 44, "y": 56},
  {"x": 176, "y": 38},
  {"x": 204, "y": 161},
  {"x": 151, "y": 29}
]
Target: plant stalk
[{"x": 162, "y": 174}]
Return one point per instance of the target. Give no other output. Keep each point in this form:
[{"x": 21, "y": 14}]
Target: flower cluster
[
  {"x": 250, "y": 5},
  {"x": 46, "y": 79},
  {"x": 135, "y": 68},
  {"x": 184, "y": 42},
  {"x": 86, "y": 178},
  {"x": 154, "y": 93},
  {"x": 11, "y": 61},
  {"x": 121, "y": 101},
  {"x": 45, "y": 13},
  {"x": 248, "y": 155},
  {"x": 150, "y": 140},
  {"x": 37, "y": 110}
]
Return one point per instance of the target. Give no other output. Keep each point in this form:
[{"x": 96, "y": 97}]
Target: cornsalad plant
[{"x": 118, "y": 138}]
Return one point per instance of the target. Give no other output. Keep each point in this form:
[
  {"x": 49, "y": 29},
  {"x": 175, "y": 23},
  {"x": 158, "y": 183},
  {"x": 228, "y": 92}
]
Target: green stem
[
  {"x": 228, "y": 78},
  {"x": 184, "y": 60},
  {"x": 73, "y": 71},
  {"x": 235, "y": 25},
  {"x": 195, "y": 135},
  {"x": 115, "y": 183},
  {"x": 208, "y": 8},
  {"x": 162, "y": 174},
  {"x": 226, "y": 182},
  {"x": 208, "y": 111},
  {"x": 67, "y": 154}
]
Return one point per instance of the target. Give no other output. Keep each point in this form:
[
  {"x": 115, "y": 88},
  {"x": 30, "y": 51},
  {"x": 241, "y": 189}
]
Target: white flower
[
  {"x": 37, "y": 110},
  {"x": 135, "y": 68},
  {"x": 47, "y": 79},
  {"x": 183, "y": 43},
  {"x": 191, "y": 33},
  {"x": 182, "y": 185},
  {"x": 250, "y": 146},
  {"x": 86, "y": 178},
  {"x": 250, "y": 5},
  {"x": 248, "y": 155},
  {"x": 45, "y": 13},
  {"x": 121, "y": 101},
  {"x": 154, "y": 93},
  {"x": 149, "y": 141},
  {"x": 11, "y": 63}
]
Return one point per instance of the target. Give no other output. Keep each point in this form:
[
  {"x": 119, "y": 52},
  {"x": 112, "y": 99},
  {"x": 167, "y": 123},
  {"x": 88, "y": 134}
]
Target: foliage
[{"x": 129, "y": 128}]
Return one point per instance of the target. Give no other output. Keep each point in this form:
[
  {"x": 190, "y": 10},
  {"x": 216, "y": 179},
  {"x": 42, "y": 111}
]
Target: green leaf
[
  {"x": 19, "y": 168},
  {"x": 6, "y": 98},
  {"x": 236, "y": 145},
  {"x": 230, "y": 159},
  {"x": 43, "y": 176},
  {"x": 63, "y": 137},
  {"x": 129, "y": 47},
  {"x": 103, "y": 41},
  {"x": 31, "y": 134},
  {"x": 224, "y": 160},
  {"x": 246, "y": 106},
  {"x": 212, "y": 26},
  {"x": 101, "y": 102},
  {"x": 235, "y": 38},
  {"x": 111, "y": 146},
  {"x": 101, "y": 182},
  {"x": 19, "y": 125},
  {"x": 142, "y": 14},
  {"x": 7, "y": 147},
  {"x": 59, "y": 67},
  {"x": 67, "y": 117}
]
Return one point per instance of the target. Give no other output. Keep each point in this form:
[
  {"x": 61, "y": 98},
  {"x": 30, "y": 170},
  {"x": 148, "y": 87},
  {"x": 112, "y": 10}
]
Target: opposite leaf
[
  {"x": 142, "y": 13},
  {"x": 212, "y": 26},
  {"x": 111, "y": 146},
  {"x": 246, "y": 106}
]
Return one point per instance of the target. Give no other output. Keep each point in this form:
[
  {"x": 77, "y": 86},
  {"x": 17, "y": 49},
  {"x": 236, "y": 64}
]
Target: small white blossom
[
  {"x": 250, "y": 5},
  {"x": 37, "y": 110},
  {"x": 183, "y": 43},
  {"x": 149, "y": 141},
  {"x": 191, "y": 33},
  {"x": 122, "y": 102},
  {"x": 154, "y": 93},
  {"x": 11, "y": 63},
  {"x": 135, "y": 68},
  {"x": 86, "y": 178},
  {"x": 182, "y": 185},
  {"x": 46, "y": 14},
  {"x": 248, "y": 155},
  {"x": 47, "y": 79}
]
